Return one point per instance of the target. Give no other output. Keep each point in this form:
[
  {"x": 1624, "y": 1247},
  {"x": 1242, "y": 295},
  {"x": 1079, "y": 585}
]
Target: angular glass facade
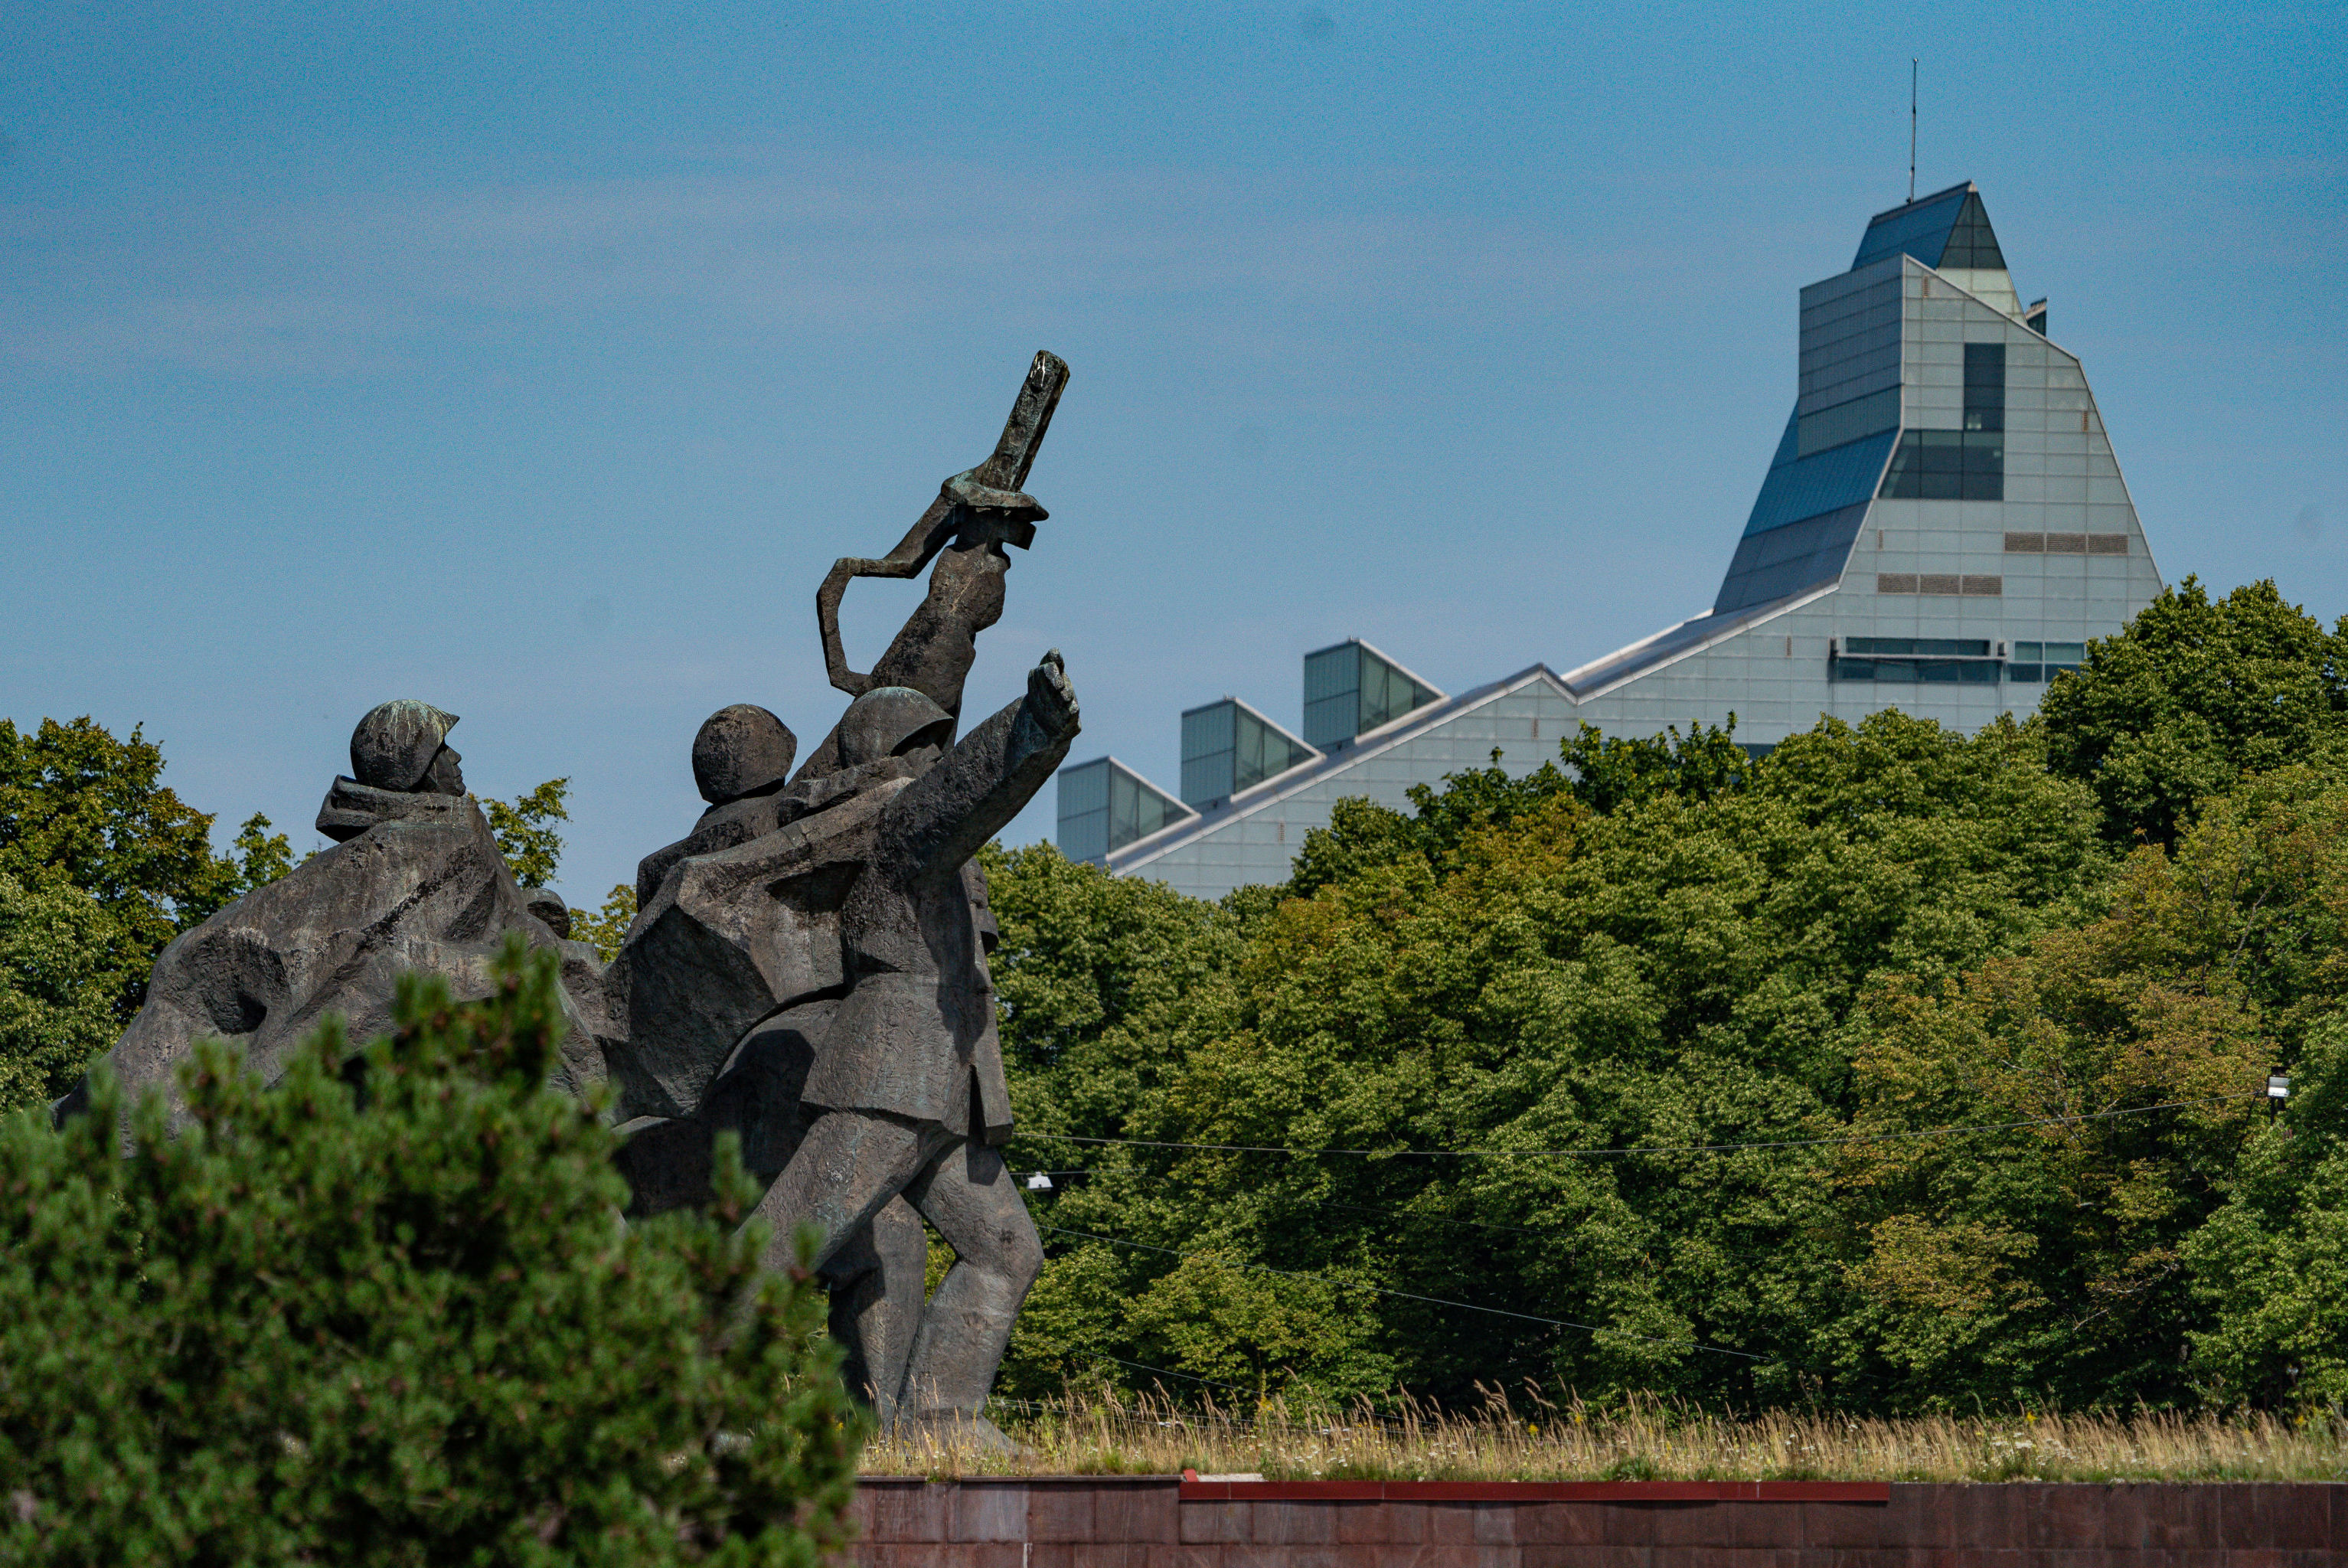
[
  {"x": 1351, "y": 688},
  {"x": 1104, "y": 806},
  {"x": 1943, "y": 528},
  {"x": 1228, "y": 747}
]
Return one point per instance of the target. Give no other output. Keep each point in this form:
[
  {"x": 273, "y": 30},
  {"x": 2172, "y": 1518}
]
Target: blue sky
[{"x": 536, "y": 361}]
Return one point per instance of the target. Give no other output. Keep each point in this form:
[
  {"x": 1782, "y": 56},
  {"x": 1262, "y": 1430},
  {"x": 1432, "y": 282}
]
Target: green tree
[
  {"x": 63, "y": 962},
  {"x": 391, "y": 1316},
  {"x": 261, "y": 856},
  {"x": 606, "y": 928},
  {"x": 79, "y": 806},
  {"x": 2270, "y": 1267},
  {"x": 101, "y": 866},
  {"x": 526, "y": 833},
  {"x": 1609, "y": 772},
  {"x": 1509, "y": 969},
  {"x": 2194, "y": 694}
]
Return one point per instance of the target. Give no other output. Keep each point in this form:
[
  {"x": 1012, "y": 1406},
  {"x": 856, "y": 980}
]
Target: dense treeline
[
  {"x": 1446, "y": 1109},
  {"x": 2083, "y": 940}
]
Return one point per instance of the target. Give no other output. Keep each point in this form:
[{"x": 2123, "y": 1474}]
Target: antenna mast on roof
[{"x": 1912, "y": 128}]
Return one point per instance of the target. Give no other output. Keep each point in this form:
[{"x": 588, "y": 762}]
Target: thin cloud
[{"x": 360, "y": 285}]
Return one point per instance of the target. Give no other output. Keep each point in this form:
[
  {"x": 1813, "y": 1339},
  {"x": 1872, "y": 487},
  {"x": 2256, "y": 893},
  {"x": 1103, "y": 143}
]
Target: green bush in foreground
[{"x": 386, "y": 1313}]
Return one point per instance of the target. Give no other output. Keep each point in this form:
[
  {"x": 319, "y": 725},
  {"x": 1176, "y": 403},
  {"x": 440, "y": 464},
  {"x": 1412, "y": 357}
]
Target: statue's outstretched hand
[
  {"x": 1017, "y": 505},
  {"x": 1050, "y": 698}
]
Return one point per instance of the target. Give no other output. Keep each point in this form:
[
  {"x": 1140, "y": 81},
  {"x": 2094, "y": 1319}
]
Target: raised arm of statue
[
  {"x": 985, "y": 501},
  {"x": 972, "y": 793}
]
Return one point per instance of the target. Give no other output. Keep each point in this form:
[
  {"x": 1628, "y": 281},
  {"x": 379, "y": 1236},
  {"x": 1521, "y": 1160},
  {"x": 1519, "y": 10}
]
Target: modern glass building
[
  {"x": 1105, "y": 805},
  {"x": 1229, "y": 748},
  {"x": 1352, "y": 689},
  {"x": 1943, "y": 528}
]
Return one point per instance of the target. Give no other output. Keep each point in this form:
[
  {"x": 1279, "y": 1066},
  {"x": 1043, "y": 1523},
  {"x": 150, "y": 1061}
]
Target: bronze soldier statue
[
  {"x": 909, "y": 1075},
  {"x": 808, "y": 966}
]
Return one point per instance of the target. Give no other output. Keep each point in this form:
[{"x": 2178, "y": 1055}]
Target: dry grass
[{"x": 1533, "y": 1440}]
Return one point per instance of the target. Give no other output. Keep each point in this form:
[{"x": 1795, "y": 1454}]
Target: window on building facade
[
  {"x": 1926, "y": 661},
  {"x": 1972, "y": 246},
  {"x": 2045, "y": 661},
  {"x": 1947, "y": 465},
  {"x": 1351, "y": 689},
  {"x": 1104, "y": 806},
  {"x": 1228, "y": 747},
  {"x": 1966, "y": 464}
]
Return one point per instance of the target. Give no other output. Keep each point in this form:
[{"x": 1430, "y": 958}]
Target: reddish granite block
[
  {"x": 2177, "y": 1517},
  {"x": 1188, "y": 1555},
  {"x": 1450, "y": 1524},
  {"x": 1919, "y": 1517},
  {"x": 1059, "y": 1512},
  {"x": 1987, "y": 1518},
  {"x": 927, "y": 1554},
  {"x": 2237, "y": 1518},
  {"x": 2077, "y": 1557},
  {"x": 1291, "y": 1523},
  {"x": 1562, "y": 1524},
  {"x": 1995, "y": 1557},
  {"x": 1768, "y": 1526},
  {"x": 1260, "y": 1555},
  {"x": 1628, "y": 1524},
  {"x": 2125, "y": 1513},
  {"x": 1601, "y": 1556},
  {"x": 896, "y": 1512},
  {"x": 1868, "y": 1556},
  {"x": 1497, "y": 1523},
  {"x": 2294, "y": 1517},
  {"x": 1448, "y": 1557},
  {"x": 1837, "y": 1525},
  {"x": 976, "y": 1554},
  {"x": 1090, "y": 1555},
  {"x": 2286, "y": 1557},
  {"x": 1393, "y": 1554},
  {"x": 1708, "y": 1524},
  {"x": 1138, "y": 1511},
  {"x": 1206, "y": 1522},
  {"x": 1693, "y": 1554},
  {"x": 2063, "y": 1517},
  {"x": 988, "y": 1511},
  {"x": 1363, "y": 1523}
]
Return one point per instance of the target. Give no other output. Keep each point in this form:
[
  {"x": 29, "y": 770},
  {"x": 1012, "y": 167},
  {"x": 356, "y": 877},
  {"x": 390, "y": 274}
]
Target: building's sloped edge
[{"x": 1371, "y": 743}]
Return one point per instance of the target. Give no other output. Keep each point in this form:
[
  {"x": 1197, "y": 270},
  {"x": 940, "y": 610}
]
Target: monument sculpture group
[{"x": 807, "y": 966}]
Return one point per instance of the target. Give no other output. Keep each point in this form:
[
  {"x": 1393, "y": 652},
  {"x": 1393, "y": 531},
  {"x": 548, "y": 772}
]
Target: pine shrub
[{"x": 384, "y": 1311}]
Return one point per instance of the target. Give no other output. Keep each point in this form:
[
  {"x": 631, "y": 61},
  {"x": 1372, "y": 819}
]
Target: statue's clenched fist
[{"x": 1050, "y": 698}]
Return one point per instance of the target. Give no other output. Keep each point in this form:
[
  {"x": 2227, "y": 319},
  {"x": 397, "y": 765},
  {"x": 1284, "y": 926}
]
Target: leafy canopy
[
  {"x": 1511, "y": 967},
  {"x": 79, "y": 807},
  {"x": 2194, "y": 694},
  {"x": 526, "y": 832}
]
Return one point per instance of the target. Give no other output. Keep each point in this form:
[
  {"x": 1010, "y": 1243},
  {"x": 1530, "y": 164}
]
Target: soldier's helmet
[
  {"x": 741, "y": 751},
  {"x": 394, "y": 745},
  {"x": 888, "y": 721}
]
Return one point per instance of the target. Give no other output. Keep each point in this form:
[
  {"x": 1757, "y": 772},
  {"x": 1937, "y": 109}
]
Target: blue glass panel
[
  {"x": 1922, "y": 230},
  {"x": 1786, "y": 560},
  {"x": 1838, "y": 477}
]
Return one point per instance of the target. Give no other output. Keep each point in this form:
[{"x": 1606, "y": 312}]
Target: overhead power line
[
  {"x": 1648, "y": 1148},
  {"x": 1410, "y": 1296}
]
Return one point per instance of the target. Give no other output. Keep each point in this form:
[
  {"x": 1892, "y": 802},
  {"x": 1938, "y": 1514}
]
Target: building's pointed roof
[{"x": 1947, "y": 229}]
